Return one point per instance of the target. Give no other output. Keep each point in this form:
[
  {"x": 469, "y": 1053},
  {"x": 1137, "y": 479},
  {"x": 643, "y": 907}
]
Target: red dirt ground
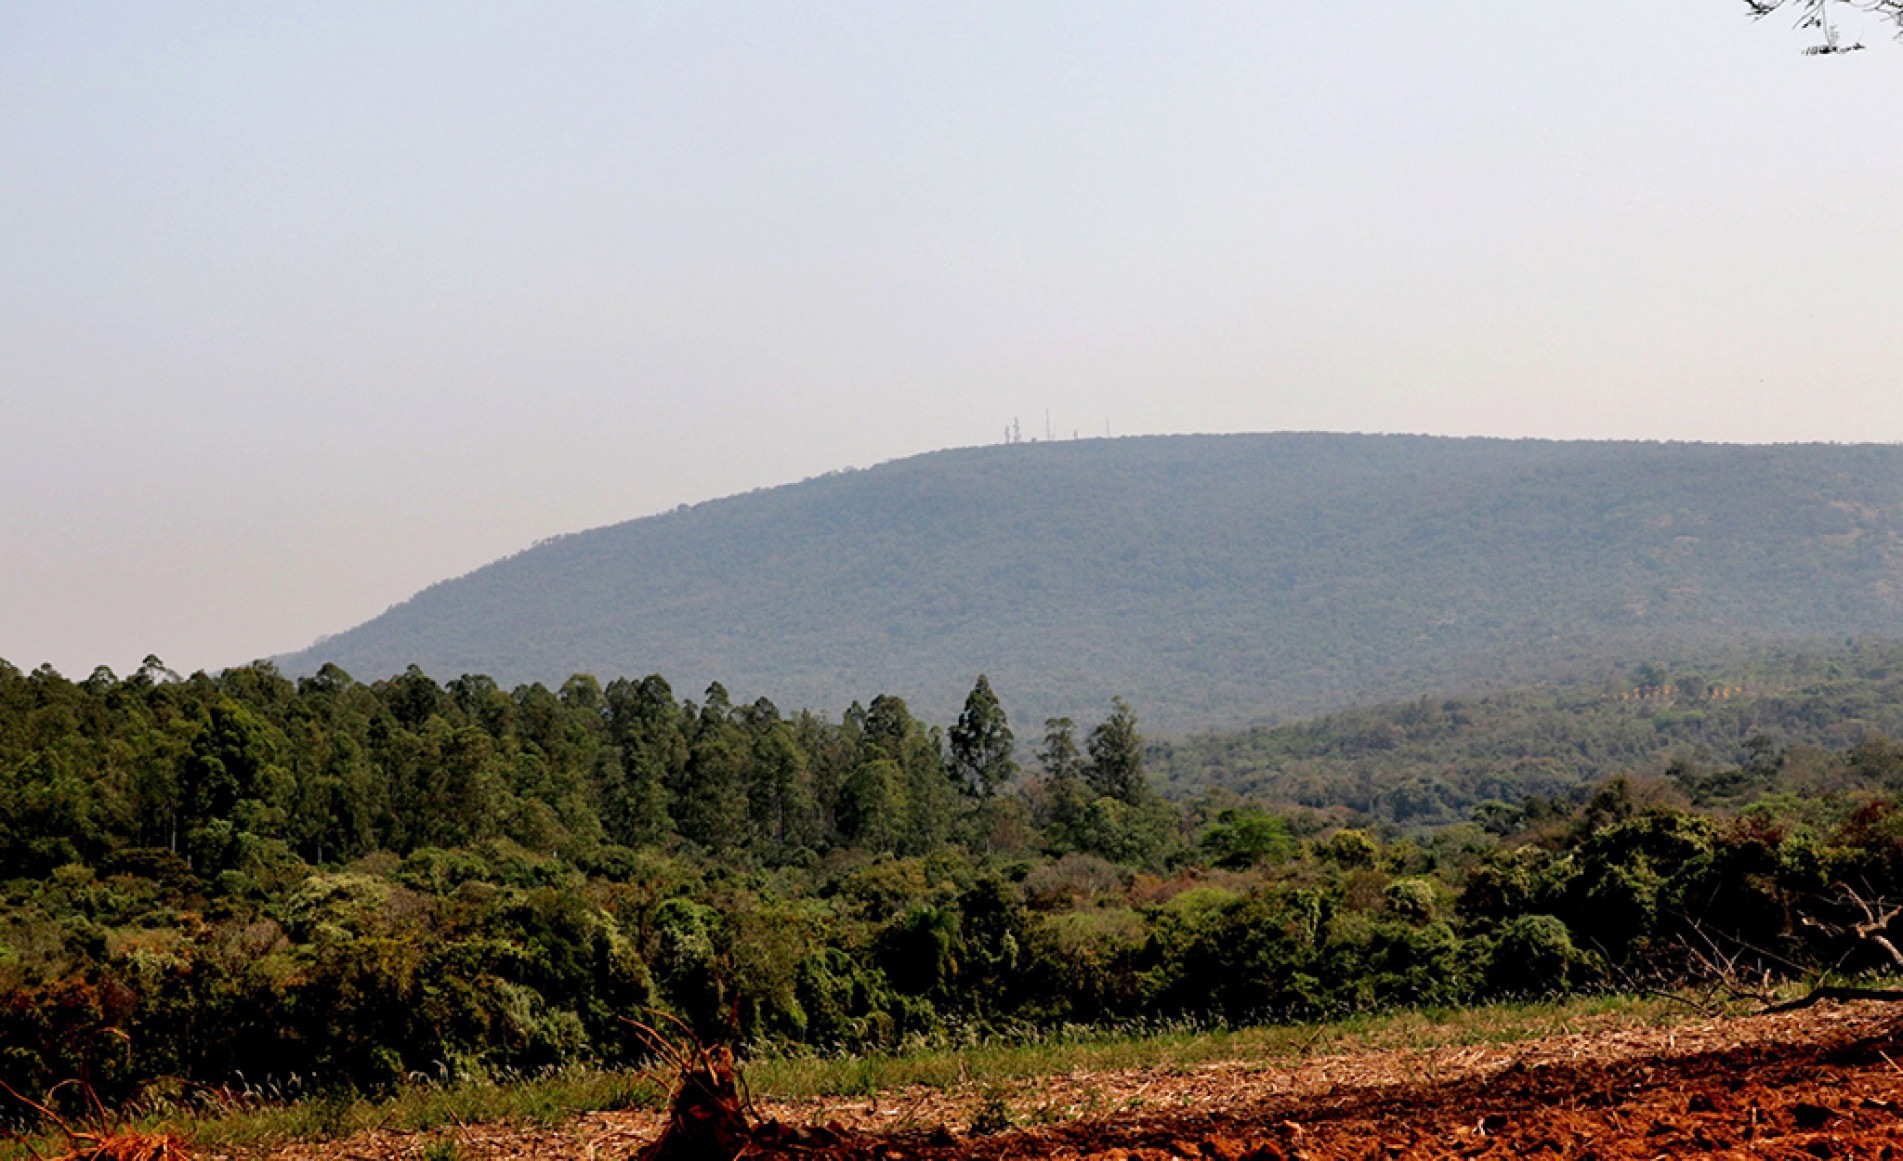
[
  {"x": 1825, "y": 1083},
  {"x": 1830, "y": 1099}
]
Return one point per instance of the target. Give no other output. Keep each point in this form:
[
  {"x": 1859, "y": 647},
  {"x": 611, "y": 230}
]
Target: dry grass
[
  {"x": 95, "y": 1134},
  {"x": 1175, "y": 1047}
]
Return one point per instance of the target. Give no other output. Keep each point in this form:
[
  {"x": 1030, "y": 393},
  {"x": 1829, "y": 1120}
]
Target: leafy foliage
[{"x": 324, "y": 884}]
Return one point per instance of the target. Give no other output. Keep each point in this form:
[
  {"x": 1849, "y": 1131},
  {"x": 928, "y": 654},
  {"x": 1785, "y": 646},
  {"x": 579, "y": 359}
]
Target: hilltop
[{"x": 1212, "y": 580}]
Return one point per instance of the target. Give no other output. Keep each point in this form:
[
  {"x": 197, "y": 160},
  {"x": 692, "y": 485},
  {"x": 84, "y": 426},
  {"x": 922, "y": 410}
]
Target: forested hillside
[
  {"x": 1215, "y": 580},
  {"x": 1721, "y": 734}
]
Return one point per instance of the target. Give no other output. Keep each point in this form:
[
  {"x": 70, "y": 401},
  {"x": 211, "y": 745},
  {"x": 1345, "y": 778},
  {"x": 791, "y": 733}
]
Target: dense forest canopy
[
  {"x": 1214, "y": 580},
  {"x": 323, "y": 883}
]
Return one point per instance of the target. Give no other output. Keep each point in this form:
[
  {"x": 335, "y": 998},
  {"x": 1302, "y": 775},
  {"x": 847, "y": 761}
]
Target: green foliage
[
  {"x": 355, "y": 884},
  {"x": 1349, "y": 849},
  {"x": 1534, "y": 956},
  {"x": 1752, "y": 723},
  {"x": 848, "y": 1005},
  {"x": 1115, "y": 767},
  {"x": 1241, "y": 959},
  {"x": 981, "y": 743},
  {"x": 872, "y": 805},
  {"x": 1244, "y": 838}
]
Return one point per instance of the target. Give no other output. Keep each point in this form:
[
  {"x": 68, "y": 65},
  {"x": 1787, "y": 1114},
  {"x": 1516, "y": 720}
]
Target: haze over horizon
[{"x": 305, "y": 311}]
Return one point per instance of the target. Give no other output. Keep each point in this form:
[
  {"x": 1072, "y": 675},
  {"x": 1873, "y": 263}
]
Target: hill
[
  {"x": 1760, "y": 722},
  {"x": 1209, "y": 579}
]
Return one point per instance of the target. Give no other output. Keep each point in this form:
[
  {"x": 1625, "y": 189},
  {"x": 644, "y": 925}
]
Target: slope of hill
[
  {"x": 1754, "y": 723},
  {"x": 1209, "y": 579}
]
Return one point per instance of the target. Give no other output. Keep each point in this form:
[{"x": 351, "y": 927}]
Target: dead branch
[
  {"x": 1834, "y": 992},
  {"x": 1871, "y": 931},
  {"x": 1814, "y": 15},
  {"x": 99, "y": 1139}
]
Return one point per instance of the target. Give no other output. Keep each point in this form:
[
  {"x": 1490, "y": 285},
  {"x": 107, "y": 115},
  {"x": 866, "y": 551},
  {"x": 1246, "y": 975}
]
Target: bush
[{"x": 1534, "y": 956}]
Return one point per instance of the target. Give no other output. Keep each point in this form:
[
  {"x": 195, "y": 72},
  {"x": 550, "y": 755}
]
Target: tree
[
  {"x": 892, "y": 732},
  {"x": 231, "y": 781},
  {"x": 1063, "y": 765},
  {"x": 411, "y": 697},
  {"x": 710, "y": 798},
  {"x": 982, "y": 744},
  {"x": 1115, "y": 769},
  {"x": 454, "y": 798},
  {"x": 889, "y": 725},
  {"x": 1058, "y": 755},
  {"x": 781, "y": 797},
  {"x": 872, "y": 805},
  {"x": 645, "y": 728},
  {"x": 1815, "y": 14}
]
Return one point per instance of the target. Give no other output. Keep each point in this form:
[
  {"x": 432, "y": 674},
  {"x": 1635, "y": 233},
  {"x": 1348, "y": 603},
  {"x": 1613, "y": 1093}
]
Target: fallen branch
[
  {"x": 99, "y": 1138},
  {"x": 1834, "y": 992}
]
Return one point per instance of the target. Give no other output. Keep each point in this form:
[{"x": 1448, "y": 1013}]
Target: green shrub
[{"x": 1534, "y": 956}]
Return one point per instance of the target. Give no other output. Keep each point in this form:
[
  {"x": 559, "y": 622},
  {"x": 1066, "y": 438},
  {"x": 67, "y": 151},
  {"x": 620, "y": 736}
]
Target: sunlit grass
[
  {"x": 1173, "y": 1047},
  {"x": 541, "y": 1100},
  {"x": 245, "y": 1123}
]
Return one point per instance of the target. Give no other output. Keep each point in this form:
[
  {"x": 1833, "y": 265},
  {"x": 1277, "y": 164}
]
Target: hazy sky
[{"x": 303, "y": 307}]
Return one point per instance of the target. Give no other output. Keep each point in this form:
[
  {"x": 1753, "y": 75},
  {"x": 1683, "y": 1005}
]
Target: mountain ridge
[{"x": 1214, "y": 579}]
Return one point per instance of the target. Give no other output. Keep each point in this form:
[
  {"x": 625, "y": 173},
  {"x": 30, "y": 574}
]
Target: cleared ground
[{"x": 1825, "y": 1082}]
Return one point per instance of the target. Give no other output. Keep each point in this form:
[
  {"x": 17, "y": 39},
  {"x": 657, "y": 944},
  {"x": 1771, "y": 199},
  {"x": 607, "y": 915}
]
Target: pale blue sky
[{"x": 305, "y": 307}]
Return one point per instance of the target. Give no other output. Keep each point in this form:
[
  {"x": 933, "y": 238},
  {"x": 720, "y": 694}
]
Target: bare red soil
[
  {"x": 1825, "y": 1083},
  {"x": 1841, "y": 1098}
]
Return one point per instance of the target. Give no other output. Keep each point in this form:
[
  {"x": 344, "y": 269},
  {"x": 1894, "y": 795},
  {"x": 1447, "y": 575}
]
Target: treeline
[
  {"x": 248, "y": 773},
  {"x": 327, "y": 883}
]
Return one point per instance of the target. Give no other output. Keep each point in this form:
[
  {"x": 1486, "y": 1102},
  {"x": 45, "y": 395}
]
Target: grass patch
[
  {"x": 246, "y": 1124},
  {"x": 423, "y": 1107},
  {"x": 1180, "y": 1048},
  {"x": 982, "y": 1066}
]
